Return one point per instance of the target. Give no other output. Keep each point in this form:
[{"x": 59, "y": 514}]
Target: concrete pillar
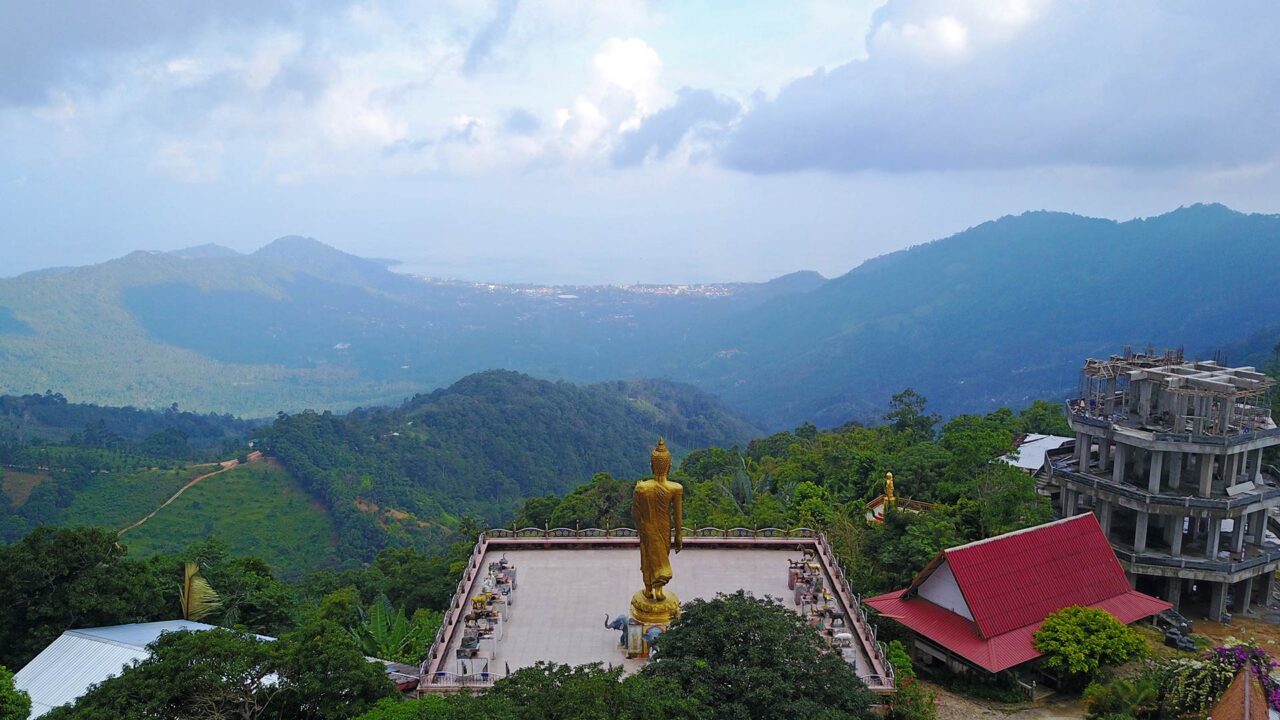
[
  {"x": 1157, "y": 467},
  {"x": 1237, "y": 534},
  {"x": 1231, "y": 469},
  {"x": 1175, "y": 469},
  {"x": 1144, "y": 400},
  {"x": 1068, "y": 503},
  {"x": 1122, "y": 456},
  {"x": 1258, "y": 526},
  {"x": 1109, "y": 403},
  {"x": 1268, "y": 589},
  {"x": 1104, "y": 454},
  {"x": 1104, "y": 517},
  {"x": 1244, "y": 595},
  {"x": 1082, "y": 451},
  {"x": 1257, "y": 466},
  {"x": 1175, "y": 544},
  {"x": 1140, "y": 533},
  {"x": 1179, "y": 412},
  {"x": 1173, "y": 591},
  {"x": 1211, "y": 539},
  {"x": 1206, "y": 474},
  {"x": 1218, "y": 602}
]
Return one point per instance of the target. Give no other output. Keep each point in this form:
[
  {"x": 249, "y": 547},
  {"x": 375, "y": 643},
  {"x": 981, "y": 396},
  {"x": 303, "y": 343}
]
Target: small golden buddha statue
[
  {"x": 653, "y": 504},
  {"x": 890, "y": 501}
]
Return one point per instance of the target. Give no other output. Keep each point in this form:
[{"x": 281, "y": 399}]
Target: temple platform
[{"x": 567, "y": 587}]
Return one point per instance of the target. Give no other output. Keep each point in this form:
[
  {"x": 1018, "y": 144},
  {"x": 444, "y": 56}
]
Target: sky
[{"x": 590, "y": 141}]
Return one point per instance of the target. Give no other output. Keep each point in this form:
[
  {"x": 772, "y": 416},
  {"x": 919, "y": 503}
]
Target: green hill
[
  {"x": 483, "y": 445},
  {"x": 254, "y": 509}
]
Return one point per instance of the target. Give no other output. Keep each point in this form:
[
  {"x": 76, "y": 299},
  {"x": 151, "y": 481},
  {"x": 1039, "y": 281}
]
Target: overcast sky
[{"x": 618, "y": 140}]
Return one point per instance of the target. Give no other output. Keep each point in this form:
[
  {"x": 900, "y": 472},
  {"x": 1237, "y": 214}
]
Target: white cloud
[
  {"x": 959, "y": 85},
  {"x": 188, "y": 162}
]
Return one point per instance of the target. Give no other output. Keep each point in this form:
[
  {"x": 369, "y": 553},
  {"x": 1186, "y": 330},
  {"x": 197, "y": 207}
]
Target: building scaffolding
[{"x": 1178, "y": 396}]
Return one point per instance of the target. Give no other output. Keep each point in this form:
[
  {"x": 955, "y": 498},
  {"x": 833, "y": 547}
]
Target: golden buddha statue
[
  {"x": 890, "y": 501},
  {"x": 652, "y": 505}
]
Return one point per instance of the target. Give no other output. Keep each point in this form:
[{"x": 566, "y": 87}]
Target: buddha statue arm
[{"x": 679, "y": 503}]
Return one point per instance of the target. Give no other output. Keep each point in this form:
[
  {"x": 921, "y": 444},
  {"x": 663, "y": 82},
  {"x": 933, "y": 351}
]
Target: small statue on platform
[
  {"x": 890, "y": 501},
  {"x": 653, "y": 504}
]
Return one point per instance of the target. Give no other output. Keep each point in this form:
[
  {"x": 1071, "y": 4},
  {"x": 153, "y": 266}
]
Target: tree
[
  {"x": 313, "y": 673},
  {"x": 1045, "y": 418},
  {"x": 324, "y": 676},
  {"x": 744, "y": 657},
  {"x": 56, "y": 579},
  {"x": 559, "y": 692},
  {"x": 1078, "y": 641},
  {"x": 15, "y": 704},
  {"x": 554, "y": 692},
  {"x": 907, "y": 414},
  {"x": 189, "y": 676}
]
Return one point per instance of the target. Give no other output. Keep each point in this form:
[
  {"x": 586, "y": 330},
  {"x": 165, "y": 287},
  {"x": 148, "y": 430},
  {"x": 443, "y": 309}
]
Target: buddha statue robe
[{"x": 652, "y": 505}]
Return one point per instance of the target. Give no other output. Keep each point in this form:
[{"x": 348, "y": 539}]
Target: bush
[
  {"x": 912, "y": 701},
  {"x": 1137, "y": 698},
  {"x": 1078, "y": 641}
]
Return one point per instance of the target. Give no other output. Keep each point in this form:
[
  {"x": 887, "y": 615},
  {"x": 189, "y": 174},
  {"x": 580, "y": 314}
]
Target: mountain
[
  {"x": 298, "y": 324},
  {"x": 1000, "y": 314},
  {"x": 208, "y": 250}
]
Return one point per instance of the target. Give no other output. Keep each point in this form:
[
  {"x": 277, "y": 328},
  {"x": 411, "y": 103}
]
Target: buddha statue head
[{"x": 660, "y": 460}]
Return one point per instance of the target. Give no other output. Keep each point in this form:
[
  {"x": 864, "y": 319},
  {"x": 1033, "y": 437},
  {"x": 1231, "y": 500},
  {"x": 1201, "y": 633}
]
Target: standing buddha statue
[{"x": 652, "y": 505}]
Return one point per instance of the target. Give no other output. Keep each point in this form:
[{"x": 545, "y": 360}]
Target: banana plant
[{"x": 386, "y": 633}]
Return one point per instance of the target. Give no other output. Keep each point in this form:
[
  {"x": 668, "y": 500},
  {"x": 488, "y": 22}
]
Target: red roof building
[{"x": 982, "y": 602}]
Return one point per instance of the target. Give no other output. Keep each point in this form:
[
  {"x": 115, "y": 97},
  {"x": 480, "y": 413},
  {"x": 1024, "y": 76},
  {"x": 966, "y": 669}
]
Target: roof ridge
[
  {"x": 105, "y": 641},
  {"x": 1023, "y": 531}
]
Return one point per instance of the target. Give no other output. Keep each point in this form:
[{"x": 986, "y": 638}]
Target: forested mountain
[
  {"x": 50, "y": 418},
  {"x": 999, "y": 314},
  {"x": 342, "y": 485},
  {"x": 483, "y": 445}
]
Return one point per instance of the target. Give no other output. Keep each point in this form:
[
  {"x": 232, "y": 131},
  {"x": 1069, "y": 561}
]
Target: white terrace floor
[{"x": 563, "y": 596}]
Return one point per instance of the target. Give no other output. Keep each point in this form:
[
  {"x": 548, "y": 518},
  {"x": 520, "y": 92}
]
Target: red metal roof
[{"x": 1012, "y": 582}]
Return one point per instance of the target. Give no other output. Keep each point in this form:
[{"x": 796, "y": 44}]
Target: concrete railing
[
  {"x": 1176, "y": 501},
  {"x": 1264, "y": 557}
]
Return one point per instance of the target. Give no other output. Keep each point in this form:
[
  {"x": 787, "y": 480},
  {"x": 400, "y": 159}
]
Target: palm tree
[{"x": 196, "y": 596}]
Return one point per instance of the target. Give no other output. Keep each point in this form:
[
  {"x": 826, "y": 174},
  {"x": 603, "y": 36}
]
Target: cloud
[
  {"x": 189, "y": 162},
  {"x": 1023, "y": 83},
  {"x": 521, "y": 122},
  {"x": 45, "y": 44},
  {"x": 626, "y": 91},
  {"x": 489, "y": 36},
  {"x": 660, "y": 133}
]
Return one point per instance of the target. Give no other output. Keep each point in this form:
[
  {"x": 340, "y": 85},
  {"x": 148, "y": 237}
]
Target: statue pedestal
[{"x": 655, "y": 612}]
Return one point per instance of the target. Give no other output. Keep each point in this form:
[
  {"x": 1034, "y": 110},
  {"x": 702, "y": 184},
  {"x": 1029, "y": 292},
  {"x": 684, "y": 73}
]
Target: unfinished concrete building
[{"x": 1169, "y": 455}]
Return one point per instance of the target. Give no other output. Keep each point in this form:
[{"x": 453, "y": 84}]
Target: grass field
[
  {"x": 114, "y": 500},
  {"x": 256, "y": 509},
  {"x": 18, "y": 485}
]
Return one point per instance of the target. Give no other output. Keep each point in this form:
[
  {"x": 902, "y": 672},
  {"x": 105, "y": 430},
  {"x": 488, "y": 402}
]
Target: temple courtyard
[{"x": 566, "y": 589}]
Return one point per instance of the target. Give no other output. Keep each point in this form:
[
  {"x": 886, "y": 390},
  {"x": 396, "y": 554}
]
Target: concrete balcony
[
  {"x": 1183, "y": 500},
  {"x": 1255, "y": 560}
]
